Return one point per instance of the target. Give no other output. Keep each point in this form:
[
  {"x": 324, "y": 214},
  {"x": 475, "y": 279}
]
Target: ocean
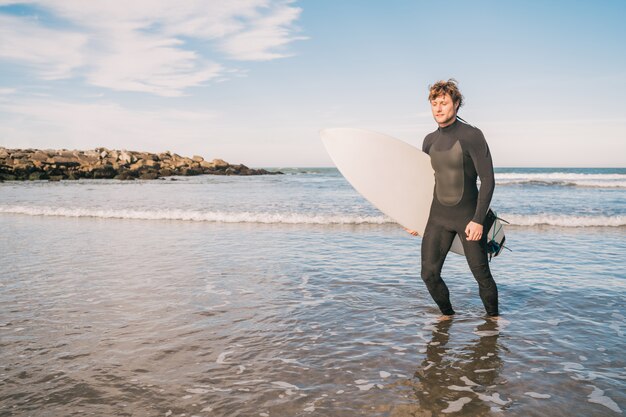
[{"x": 290, "y": 295}]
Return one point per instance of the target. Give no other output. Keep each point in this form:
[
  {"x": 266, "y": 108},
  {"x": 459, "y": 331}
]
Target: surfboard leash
[{"x": 492, "y": 245}]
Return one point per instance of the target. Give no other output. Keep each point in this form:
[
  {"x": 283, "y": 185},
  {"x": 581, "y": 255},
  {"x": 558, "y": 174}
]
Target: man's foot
[
  {"x": 444, "y": 317},
  {"x": 493, "y": 318}
]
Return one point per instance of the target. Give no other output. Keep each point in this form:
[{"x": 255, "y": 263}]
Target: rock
[
  {"x": 180, "y": 163},
  {"x": 64, "y": 161},
  {"x": 105, "y": 172},
  {"x": 165, "y": 172},
  {"x": 36, "y": 176},
  {"x": 137, "y": 165},
  {"x": 190, "y": 171},
  {"x": 148, "y": 175},
  {"x": 39, "y": 156},
  {"x": 127, "y": 158},
  {"x": 125, "y": 176},
  {"x": 220, "y": 163},
  {"x": 25, "y": 164}
]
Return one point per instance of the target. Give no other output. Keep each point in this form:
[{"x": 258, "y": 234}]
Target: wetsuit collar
[{"x": 450, "y": 127}]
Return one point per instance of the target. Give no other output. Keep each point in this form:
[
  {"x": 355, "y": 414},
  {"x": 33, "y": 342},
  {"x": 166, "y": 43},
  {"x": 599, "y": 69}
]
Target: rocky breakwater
[{"x": 56, "y": 165}]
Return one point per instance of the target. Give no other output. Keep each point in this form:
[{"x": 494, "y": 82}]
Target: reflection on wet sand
[{"x": 461, "y": 380}]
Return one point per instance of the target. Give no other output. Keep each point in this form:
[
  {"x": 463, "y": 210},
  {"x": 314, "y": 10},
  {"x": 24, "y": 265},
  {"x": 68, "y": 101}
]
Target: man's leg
[
  {"x": 476, "y": 255},
  {"x": 435, "y": 246}
]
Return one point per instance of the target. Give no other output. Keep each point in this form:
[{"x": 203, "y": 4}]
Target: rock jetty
[{"x": 56, "y": 165}]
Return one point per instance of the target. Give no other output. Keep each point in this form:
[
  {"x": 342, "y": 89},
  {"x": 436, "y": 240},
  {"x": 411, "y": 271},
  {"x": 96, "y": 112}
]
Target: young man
[{"x": 459, "y": 154}]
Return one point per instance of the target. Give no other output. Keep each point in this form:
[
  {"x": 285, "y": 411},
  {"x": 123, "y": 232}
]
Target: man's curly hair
[{"x": 441, "y": 88}]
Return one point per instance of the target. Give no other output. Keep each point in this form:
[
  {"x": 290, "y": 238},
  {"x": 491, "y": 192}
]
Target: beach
[{"x": 290, "y": 295}]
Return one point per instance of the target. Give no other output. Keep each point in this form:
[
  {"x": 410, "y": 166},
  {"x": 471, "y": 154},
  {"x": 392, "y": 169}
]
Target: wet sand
[{"x": 165, "y": 318}]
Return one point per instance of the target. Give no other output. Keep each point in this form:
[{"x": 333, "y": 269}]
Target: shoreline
[{"x": 102, "y": 163}]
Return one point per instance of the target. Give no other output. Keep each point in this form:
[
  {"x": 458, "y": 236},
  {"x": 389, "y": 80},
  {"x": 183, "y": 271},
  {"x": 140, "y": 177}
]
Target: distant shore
[{"x": 102, "y": 163}]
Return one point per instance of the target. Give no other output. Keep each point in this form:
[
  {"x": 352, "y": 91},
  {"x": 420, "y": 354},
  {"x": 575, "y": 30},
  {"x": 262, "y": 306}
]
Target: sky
[{"x": 254, "y": 81}]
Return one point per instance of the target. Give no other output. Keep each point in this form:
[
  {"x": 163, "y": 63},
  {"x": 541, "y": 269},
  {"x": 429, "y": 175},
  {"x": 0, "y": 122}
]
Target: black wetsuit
[{"x": 459, "y": 154}]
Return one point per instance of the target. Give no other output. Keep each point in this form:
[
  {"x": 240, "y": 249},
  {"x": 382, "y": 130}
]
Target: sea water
[{"x": 290, "y": 295}]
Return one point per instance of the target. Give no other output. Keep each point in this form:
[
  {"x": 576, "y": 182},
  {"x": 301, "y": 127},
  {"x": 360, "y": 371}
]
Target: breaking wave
[
  {"x": 568, "y": 221},
  {"x": 563, "y": 179}
]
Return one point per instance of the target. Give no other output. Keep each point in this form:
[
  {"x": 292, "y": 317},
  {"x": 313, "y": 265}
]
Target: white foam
[
  {"x": 197, "y": 390},
  {"x": 249, "y": 381},
  {"x": 293, "y": 218},
  {"x": 284, "y": 360},
  {"x": 494, "y": 398},
  {"x": 563, "y": 178},
  {"x": 597, "y": 396},
  {"x": 284, "y": 384},
  {"x": 485, "y": 333},
  {"x": 460, "y": 388},
  {"x": 222, "y": 356},
  {"x": 468, "y": 381},
  {"x": 564, "y": 220},
  {"x": 572, "y": 366},
  {"x": 537, "y": 395},
  {"x": 210, "y": 289},
  {"x": 197, "y": 216},
  {"x": 456, "y": 405},
  {"x": 367, "y": 342},
  {"x": 384, "y": 374},
  {"x": 365, "y": 387},
  {"x": 616, "y": 326}
]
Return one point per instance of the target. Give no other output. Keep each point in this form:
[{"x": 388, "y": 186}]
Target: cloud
[
  {"x": 153, "y": 46},
  {"x": 44, "y": 123},
  {"x": 54, "y": 54},
  {"x": 260, "y": 40}
]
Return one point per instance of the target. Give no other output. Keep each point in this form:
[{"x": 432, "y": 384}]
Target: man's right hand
[{"x": 412, "y": 232}]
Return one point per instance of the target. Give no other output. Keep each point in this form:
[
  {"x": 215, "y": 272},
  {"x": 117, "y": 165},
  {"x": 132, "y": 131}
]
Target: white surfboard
[{"x": 396, "y": 177}]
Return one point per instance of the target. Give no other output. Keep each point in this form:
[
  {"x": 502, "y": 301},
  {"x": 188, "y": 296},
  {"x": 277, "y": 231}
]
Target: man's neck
[{"x": 447, "y": 123}]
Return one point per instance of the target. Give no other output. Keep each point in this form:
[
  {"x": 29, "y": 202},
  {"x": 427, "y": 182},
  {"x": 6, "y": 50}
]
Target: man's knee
[
  {"x": 482, "y": 274},
  {"x": 430, "y": 274}
]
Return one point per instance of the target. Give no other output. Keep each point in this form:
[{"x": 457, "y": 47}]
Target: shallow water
[{"x": 103, "y": 316}]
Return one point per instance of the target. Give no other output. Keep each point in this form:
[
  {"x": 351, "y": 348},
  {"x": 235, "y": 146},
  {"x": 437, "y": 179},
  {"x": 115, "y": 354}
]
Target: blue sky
[{"x": 253, "y": 81}]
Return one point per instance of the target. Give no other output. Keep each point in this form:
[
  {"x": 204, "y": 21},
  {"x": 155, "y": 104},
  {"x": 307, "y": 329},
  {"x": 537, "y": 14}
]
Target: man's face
[{"x": 444, "y": 110}]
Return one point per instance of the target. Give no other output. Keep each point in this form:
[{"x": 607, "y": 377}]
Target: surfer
[{"x": 459, "y": 155}]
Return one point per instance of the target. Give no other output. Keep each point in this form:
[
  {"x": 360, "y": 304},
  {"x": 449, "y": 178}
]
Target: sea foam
[{"x": 568, "y": 221}]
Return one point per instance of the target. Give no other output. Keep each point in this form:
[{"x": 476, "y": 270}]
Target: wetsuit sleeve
[
  {"x": 481, "y": 156},
  {"x": 426, "y": 144}
]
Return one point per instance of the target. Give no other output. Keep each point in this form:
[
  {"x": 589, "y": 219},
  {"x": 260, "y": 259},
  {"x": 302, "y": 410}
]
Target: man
[{"x": 459, "y": 154}]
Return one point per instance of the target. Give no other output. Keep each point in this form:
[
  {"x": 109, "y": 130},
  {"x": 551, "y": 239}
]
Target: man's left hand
[{"x": 474, "y": 231}]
